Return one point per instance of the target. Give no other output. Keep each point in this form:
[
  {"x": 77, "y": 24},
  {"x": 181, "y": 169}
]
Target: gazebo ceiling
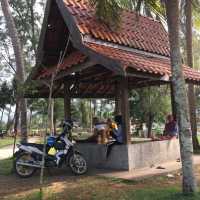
[{"x": 98, "y": 55}]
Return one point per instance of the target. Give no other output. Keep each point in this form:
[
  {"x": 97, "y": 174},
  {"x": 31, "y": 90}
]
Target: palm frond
[{"x": 107, "y": 11}]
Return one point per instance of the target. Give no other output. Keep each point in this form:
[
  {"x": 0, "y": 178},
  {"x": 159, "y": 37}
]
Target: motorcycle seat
[{"x": 39, "y": 146}]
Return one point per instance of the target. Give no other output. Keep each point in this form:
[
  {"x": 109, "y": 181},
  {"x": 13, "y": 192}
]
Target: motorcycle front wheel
[
  {"x": 22, "y": 170},
  {"x": 78, "y": 164}
]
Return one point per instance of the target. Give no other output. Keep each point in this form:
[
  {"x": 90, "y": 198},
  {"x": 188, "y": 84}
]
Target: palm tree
[
  {"x": 20, "y": 74},
  {"x": 172, "y": 12},
  {"x": 191, "y": 95}
]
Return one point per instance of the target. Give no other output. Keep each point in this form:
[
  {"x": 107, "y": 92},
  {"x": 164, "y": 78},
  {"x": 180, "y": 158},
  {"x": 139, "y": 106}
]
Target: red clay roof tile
[
  {"x": 71, "y": 60},
  {"x": 135, "y": 31},
  {"x": 142, "y": 62}
]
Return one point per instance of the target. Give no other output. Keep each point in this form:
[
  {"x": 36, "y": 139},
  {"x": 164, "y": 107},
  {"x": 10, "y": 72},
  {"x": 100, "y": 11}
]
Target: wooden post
[
  {"x": 67, "y": 101},
  {"x": 125, "y": 109},
  {"x": 117, "y": 99},
  {"x": 173, "y": 103}
]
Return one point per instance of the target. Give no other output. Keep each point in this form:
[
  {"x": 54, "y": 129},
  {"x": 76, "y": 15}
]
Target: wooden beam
[
  {"x": 74, "y": 69},
  {"x": 148, "y": 83},
  {"x": 144, "y": 75},
  {"x": 70, "y": 22},
  {"x": 74, "y": 96}
]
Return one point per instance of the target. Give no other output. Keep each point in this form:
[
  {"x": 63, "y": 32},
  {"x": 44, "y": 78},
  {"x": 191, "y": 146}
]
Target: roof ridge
[{"x": 89, "y": 39}]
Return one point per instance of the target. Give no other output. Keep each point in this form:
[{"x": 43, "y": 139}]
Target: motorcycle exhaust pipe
[{"x": 29, "y": 165}]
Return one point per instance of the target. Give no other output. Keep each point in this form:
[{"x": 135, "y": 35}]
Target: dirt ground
[{"x": 64, "y": 185}]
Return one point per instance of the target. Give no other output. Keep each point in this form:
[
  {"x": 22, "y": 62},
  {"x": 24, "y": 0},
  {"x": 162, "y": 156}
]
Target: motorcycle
[{"x": 59, "y": 150}]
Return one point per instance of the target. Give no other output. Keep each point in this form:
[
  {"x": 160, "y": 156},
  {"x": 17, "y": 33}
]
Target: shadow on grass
[
  {"x": 62, "y": 185},
  {"x": 141, "y": 194},
  {"x": 6, "y": 166}
]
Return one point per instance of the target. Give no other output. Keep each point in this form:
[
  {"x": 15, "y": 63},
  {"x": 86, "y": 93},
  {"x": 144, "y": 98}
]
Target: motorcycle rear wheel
[
  {"x": 24, "y": 171},
  {"x": 78, "y": 164}
]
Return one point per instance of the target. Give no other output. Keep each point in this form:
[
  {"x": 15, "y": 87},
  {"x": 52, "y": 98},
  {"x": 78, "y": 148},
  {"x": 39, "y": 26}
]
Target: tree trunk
[
  {"x": 94, "y": 107},
  {"x": 31, "y": 4},
  {"x": 16, "y": 116},
  {"x": 8, "y": 120},
  {"x": 23, "y": 121},
  {"x": 30, "y": 121},
  {"x": 1, "y": 120},
  {"x": 185, "y": 136},
  {"x": 20, "y": 74},
  {"x": 51, "y": 117},
  {"x": 191, "y": 95},
  {"x": 150, "y": 124},
  {"x": 54, "y": 126}
]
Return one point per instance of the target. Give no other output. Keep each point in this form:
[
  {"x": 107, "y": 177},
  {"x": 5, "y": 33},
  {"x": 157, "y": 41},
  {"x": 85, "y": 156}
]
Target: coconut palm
[
  {"x": 191, "y": 94},
  {"x": 20, "y": 74},
  {"x": 106, "y": 10}
]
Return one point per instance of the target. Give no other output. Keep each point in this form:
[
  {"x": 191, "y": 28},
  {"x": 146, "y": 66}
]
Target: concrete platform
[
  {"x": 137, "y": 174},
  {"x": 133, "y": 156}
]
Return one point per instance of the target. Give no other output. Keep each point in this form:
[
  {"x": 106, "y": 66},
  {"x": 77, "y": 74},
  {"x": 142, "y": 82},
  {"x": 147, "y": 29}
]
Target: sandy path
[{"x": 7, "y": 151}]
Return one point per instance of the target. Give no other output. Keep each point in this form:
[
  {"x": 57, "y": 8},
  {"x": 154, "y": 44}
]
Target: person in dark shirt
[{"x": 171, "y": 128}]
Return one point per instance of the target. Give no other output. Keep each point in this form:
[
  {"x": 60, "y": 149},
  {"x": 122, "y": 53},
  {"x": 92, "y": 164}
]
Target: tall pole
[
  {"x": 67, "y": 101},
  {"x": 125, "y": 110},
  {"x": 117, "y": 98}
]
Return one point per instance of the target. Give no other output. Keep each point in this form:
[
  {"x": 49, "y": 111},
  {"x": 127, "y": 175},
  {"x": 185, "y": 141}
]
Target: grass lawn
[
  {"x": 139, "y": 194},
  {"x": 6, "y": 141},
  {"x": 64, "y": 186},
  {"x": 97, "y": 188},
  {"x": 6, "y": 166}
]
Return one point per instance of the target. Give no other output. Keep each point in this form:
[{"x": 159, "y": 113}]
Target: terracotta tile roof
[
  {"x": 142, "y": 63},
  {"x": 135, "y": 31},
  {"x": 71, "y": 60},
  {"x": 139, "y": 33}
]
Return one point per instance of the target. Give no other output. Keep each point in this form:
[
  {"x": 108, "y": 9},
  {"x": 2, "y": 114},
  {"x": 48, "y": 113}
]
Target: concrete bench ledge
[{"x": 132, "y": 156}]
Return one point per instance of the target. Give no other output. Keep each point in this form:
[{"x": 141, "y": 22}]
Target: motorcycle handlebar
[{"x": 66, "y": 131}]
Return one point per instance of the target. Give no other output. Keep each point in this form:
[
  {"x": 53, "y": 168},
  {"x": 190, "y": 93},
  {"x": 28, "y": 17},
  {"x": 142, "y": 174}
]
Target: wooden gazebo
[{"x": 101, "y": 61}]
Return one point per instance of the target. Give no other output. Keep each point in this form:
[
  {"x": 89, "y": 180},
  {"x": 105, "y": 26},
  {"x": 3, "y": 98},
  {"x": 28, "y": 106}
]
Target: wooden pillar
[
  {"x": 67, "y": 101},
  {"x": 173, "y": 103},
  {"x": 125, "y": 110},
  {"x": 117, "y": 99}
]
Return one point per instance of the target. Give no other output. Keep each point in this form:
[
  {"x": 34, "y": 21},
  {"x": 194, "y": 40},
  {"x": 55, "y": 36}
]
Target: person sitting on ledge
[
  {"x": 171, "y": 128},
  {"x": 98, "y": 128},
  {"x": 117, "y": 134},
  {"x": 110, "y": 127}
]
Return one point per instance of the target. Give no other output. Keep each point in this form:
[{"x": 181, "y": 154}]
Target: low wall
[
  {"x": 95, "y": 155},
  {"x": 151, "y": 153},
  {"x": 133, "y": 156}
]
